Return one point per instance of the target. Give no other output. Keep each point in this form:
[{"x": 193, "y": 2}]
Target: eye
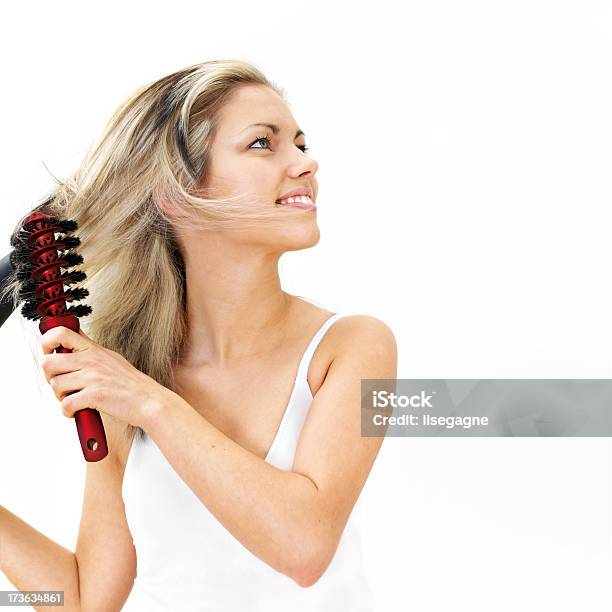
[
  {"x": 262, "y": 138},
  {"x": 266, "y": 139}
]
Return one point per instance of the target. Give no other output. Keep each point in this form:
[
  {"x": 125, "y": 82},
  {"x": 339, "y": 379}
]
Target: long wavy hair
[{"x": 155, "y": 149}]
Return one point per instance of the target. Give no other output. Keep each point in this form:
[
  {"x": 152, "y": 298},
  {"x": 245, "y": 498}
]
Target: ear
[{"x": 168, "y": 208}]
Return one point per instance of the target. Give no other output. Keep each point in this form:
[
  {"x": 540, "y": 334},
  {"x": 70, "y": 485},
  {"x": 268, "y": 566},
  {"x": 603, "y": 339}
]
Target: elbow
[
  {"x": 307, "y": 578},
  {"x": 310, "y": 566}
]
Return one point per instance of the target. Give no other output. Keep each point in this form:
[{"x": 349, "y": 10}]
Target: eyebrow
[{"x": 275, "y": 129}]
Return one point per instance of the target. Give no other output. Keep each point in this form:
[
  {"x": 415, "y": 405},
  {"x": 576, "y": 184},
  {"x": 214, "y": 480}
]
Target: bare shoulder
[
  {"x": 363, "y": 332},
  {"x": 366, "y": 330},
  {"x": 350, "y": 337}
]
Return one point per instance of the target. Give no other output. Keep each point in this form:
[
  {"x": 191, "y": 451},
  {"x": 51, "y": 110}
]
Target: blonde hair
[{"x": 155, "y": 149}]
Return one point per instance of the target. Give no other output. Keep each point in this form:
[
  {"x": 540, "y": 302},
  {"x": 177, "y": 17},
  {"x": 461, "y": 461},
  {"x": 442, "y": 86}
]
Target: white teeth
[{"x": 302, "y": 199}]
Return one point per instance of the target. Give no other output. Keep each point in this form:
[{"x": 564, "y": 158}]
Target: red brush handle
[{"x": 88, "y": 421}]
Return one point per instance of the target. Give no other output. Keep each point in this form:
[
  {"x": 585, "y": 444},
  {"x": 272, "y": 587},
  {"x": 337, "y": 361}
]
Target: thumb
[{"x": 63, "y": 336}]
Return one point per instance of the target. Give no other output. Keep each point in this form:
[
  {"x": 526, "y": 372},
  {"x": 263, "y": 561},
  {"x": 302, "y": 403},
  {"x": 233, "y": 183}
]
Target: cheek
[
  {"x": 254, "y": 179},
  {"x": 258, "y": 184},
  {"x": 225, "y": 176}
]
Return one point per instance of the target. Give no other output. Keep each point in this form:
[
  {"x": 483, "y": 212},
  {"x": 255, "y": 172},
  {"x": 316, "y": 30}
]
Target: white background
[{"x": 464, "y": 154}]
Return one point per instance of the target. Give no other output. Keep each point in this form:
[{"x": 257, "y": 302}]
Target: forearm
[
  {"x": 33, "y": 562},
  {"x": 272, "y": 512}
]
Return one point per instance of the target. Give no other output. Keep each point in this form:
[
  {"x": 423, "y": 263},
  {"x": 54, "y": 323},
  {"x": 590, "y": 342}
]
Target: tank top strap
[{"x": 312, "y": 347}]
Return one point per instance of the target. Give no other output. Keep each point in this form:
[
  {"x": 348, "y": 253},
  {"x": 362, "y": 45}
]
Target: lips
[
  {"x": 299, "y": 205},
  {"x": 305, "y": 191},
  {"x": 300, "y": 201}
]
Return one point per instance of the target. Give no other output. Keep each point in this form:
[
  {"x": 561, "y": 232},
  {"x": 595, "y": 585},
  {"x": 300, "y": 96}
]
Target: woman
[{"x": 231, "y": 408}]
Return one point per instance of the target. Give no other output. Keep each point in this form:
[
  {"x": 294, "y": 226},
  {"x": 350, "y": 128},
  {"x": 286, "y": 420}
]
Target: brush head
[{"x": 44, "y": 261}]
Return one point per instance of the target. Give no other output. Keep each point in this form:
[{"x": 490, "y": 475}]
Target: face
[{"x": 262, "y": 165}]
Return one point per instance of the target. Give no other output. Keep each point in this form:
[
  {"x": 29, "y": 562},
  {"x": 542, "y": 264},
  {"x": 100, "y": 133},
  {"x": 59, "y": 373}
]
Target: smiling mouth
[
  {"x": 304, "y": 203},
  {"x": 299, "y": 205}
]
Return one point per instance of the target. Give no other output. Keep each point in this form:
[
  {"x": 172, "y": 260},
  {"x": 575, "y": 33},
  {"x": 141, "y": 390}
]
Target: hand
[{"x": 95, "y": 377}]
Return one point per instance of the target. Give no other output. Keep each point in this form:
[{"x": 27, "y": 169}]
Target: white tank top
[{"x": 186, "y": 558}]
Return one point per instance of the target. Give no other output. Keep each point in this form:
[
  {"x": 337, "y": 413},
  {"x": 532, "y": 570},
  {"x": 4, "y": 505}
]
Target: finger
[
  {"x": 54, "y": 364},
  {"x": 76, "y": 401},
  {"x": 62, "y": 336},
  {"x": 65, "y": 384}
]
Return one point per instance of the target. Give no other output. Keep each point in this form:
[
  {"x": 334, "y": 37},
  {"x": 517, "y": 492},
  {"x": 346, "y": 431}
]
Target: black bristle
[
  {"x": 27, "y": 288},
  {"x": 76, "y": 294},
  {"x": 70, "y": 242},
  {"x": 79, "y": 310},
  {"x": 28, "y": 310},
  {"x": 74, "y": 276},
  {"x": 24, "y": 268},
  {"x": 23, "y": 273},
  {"x": 21, "y": 252},
  {"x": 73, "y": 259},
  {"x": 67, "y": 225},
  {"x": 14, "y": 260}
]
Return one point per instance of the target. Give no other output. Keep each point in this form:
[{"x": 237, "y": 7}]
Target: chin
[{"x": 299, "y": 237}]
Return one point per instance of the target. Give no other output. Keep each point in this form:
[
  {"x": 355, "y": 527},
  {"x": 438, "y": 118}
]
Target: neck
[{"x": 235, "y": 305}]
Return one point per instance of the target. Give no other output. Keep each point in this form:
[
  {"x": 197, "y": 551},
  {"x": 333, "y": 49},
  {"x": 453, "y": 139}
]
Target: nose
[{"x": 304, "y": 166}]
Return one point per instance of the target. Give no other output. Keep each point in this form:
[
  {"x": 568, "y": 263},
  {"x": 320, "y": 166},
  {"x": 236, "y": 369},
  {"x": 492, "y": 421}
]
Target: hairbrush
[{"x": 44, "y": 261}]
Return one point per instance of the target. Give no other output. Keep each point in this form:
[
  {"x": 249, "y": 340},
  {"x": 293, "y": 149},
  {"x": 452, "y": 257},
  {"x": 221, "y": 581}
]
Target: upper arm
[
  {"x": 105, "y": 553},
  {"x": 331, "y": 451}
]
